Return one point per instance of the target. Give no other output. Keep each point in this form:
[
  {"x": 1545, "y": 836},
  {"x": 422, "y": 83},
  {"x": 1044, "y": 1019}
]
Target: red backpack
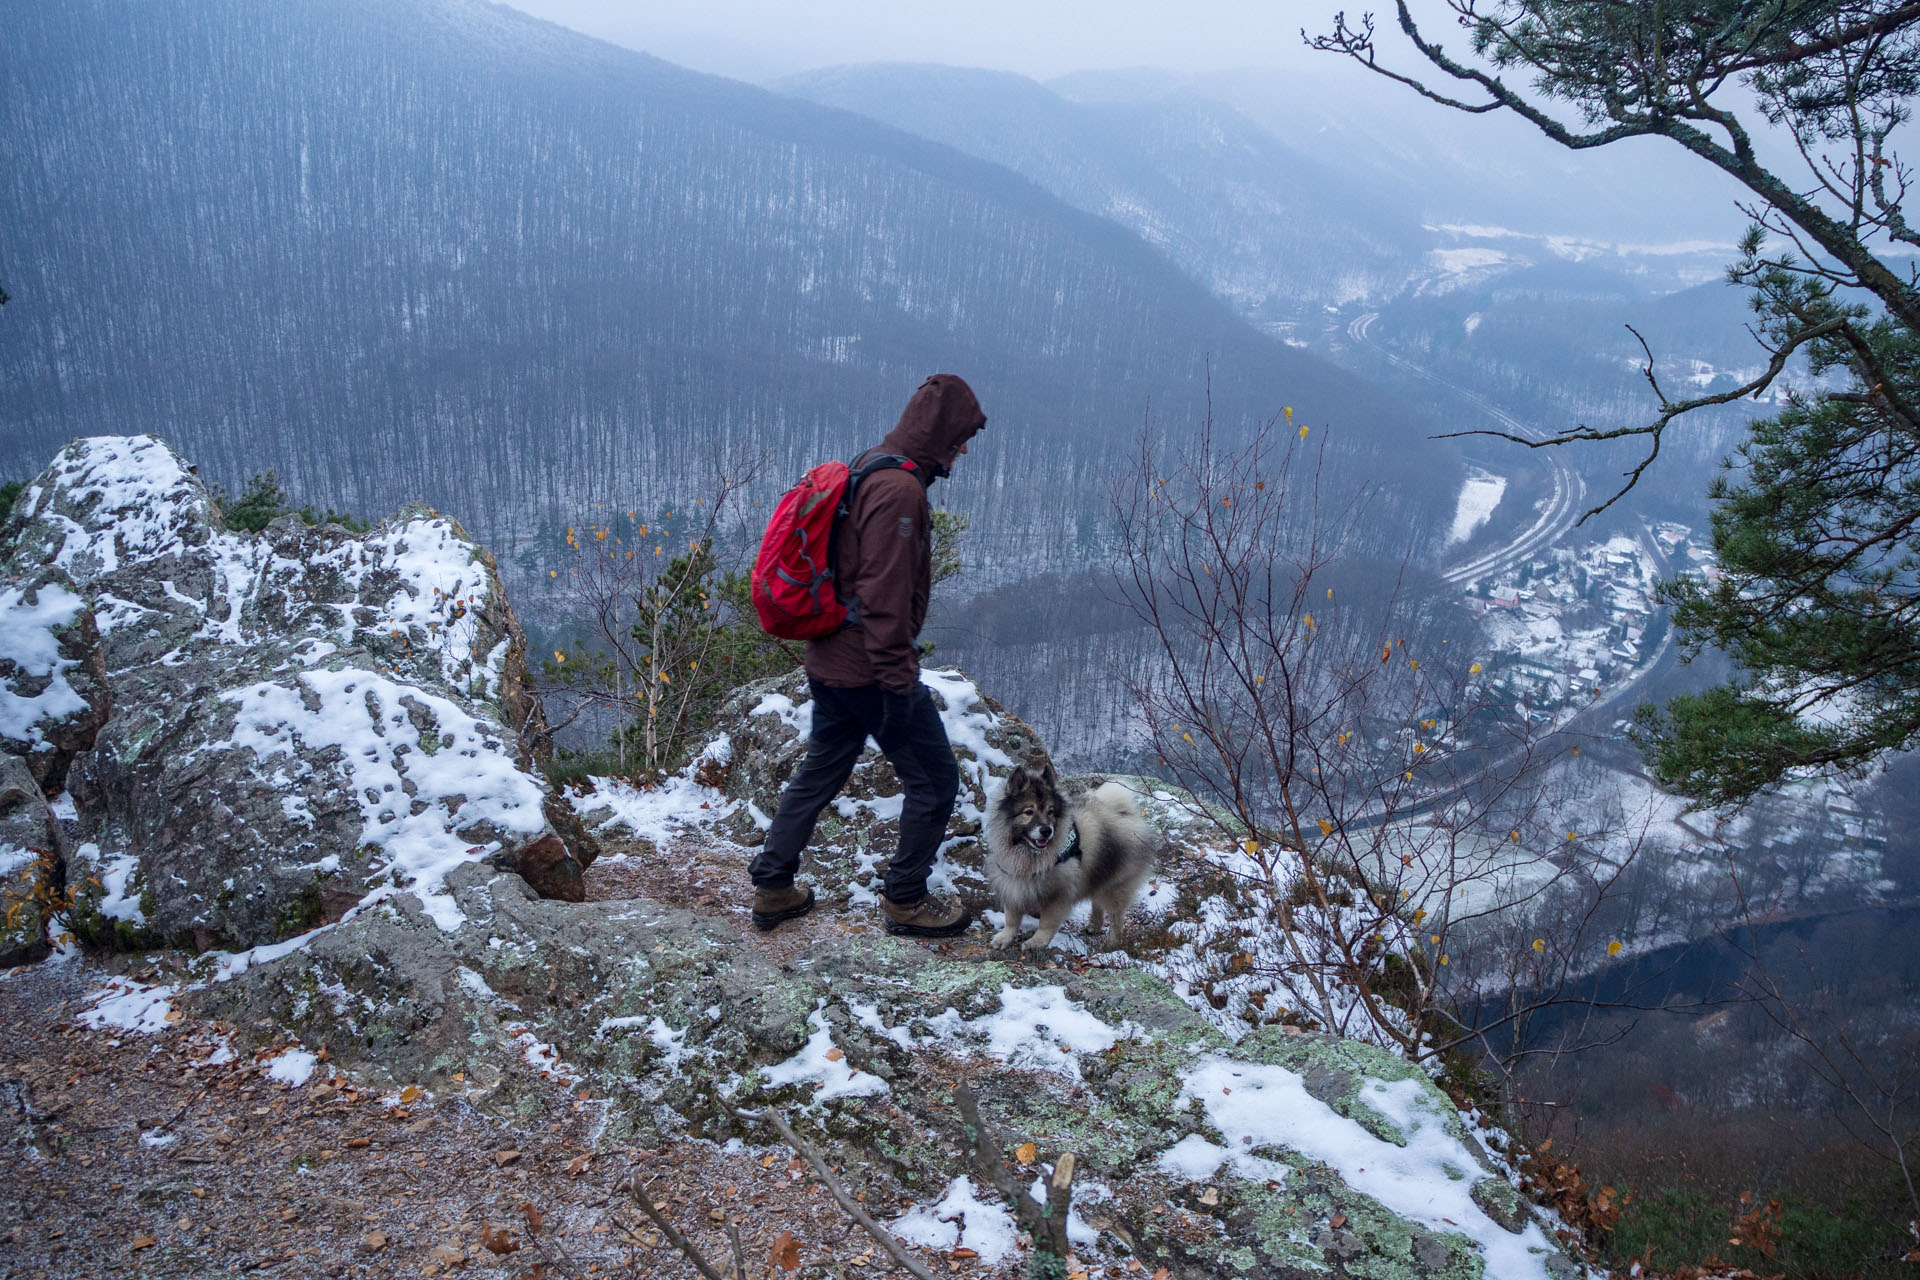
[{"x": 792, "y": 585}]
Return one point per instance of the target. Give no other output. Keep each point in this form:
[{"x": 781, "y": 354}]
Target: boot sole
[
  {"x": 953, "y": 930},
  {"x": 765, "y": 920}
]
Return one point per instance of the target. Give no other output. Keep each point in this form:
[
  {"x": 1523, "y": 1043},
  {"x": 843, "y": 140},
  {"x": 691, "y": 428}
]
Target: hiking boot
[
  {"x": 927, "y": 918},
  {"x": 772, "y": 906}
]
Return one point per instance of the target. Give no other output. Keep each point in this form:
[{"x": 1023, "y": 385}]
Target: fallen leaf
[
  {"x": 962, "y": 1253},
  {"x": 1339, "y": 1221},
  {"x": 500, "y": 1241},
  {"x": 1210, "y": 1196},
  {"x": 411, "y": 1094},
  {"x": 145, "y": 1242},
  {"x": 835, "y": 1054},
  {"x": 785, "y": 1253},
  {"x": 534, "y": 1220},
  {"x": 1025, "y": 1153},
  {"x": 578, "y": 1165},
  {"x": 447, "y": 1256},
  {"x": 356, "y": 1143},
  {"x": 375, "y": 1241},
  {"x": 1161, "y": 1273},
  {"x": 502, "y": 1159}
]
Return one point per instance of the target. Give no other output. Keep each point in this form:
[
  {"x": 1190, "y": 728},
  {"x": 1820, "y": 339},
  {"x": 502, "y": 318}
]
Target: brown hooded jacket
[{"x": 884, "y": 561}]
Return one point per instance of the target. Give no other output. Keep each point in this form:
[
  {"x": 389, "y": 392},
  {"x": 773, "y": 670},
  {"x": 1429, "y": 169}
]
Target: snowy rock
[
  {"x": 31, "y": 844},
  {"x": 53, "y": 675},
  {"x": 302, "y": 721},
  {"x": 768, "y": 723},
  {"x": 657, "y": 1013}
]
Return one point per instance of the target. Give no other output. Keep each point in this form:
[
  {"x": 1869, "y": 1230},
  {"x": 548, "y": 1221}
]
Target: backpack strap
[{"x": 877, "y": 462}]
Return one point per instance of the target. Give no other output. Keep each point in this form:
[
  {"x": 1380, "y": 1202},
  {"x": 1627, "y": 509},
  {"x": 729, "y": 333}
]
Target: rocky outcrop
[
  {"x": 302, "y": 721},
  {"x": 32, "y": 849},
  {"x": 1284, "y": 1155},
  {"x": 766, "y": 724},
  {"x": 53, "y": 676}
]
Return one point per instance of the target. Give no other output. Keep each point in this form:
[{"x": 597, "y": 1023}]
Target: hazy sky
[{"x": 761, "y": 39}]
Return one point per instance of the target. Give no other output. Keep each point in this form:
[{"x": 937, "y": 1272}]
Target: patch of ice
[
  {"x": 154, "y": 1139},
  {"x": 960, "y": 1219},
  {"x": 820, "y": 1063},
  {"x": 293, "y": 1068},
  {"x": 62, "y": 807}
]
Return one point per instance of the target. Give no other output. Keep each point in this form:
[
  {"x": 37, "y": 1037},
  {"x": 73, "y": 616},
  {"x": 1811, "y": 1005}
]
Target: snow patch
[
  {"x": 293, "y": 1068},
  {"x": 1478, "y": 498},
  {"x": 457, "y": 773},
  {"x": 960, "y": 1219},
  {"x": 818, "y": 1062},
  {"x": 27, "y": 640},
  {"x": 1256, "y": 1106}
]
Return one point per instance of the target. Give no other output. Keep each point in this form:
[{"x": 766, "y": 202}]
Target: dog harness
[{"x": 1072, "y": 850}]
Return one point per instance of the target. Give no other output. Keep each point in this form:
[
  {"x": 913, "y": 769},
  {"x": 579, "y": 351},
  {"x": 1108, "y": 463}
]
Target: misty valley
[{"x": 396, "y": 397}]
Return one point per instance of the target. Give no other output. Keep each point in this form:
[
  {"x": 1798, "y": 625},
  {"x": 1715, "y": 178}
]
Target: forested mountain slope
[
  {"x": 435, "y": 248},
  {"x": 1256, "y": 221}
]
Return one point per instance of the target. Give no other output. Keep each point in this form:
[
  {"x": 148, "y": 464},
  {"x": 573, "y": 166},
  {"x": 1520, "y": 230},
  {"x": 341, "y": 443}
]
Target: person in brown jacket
[{"x": 866, "y": 678}]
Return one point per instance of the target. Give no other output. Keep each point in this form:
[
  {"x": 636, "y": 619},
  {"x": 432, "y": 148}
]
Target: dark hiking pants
[{"x": 843, "y": 719}]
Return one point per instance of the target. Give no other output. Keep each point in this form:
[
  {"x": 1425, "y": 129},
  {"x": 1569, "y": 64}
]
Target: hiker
[{"x": 865, "y": 677}]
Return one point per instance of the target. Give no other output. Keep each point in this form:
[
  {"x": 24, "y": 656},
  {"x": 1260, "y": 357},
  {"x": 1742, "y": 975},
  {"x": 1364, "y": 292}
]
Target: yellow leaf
[
  {"x": 1443, "y": 957},
  {"x": 1418, "y": 747},
  {"x": 1329, "y": 593},
  {"x": 1474, "y": 670},
  {"x": 1303, "y": 433},
  {"x": 1326, "y": 828},
  {"x": 553, "y": 573},
  {"x": 1025, "y": 1153},
  {"x": 411, "y": 1094},
  {"x": 1309, "y": 621},
  {"x": 1514, "y": 836},
  {"x": 1540, "y": 945},
  {"x": 1572, "y": 836},
  {"x": 1435, "y": 938},
  {"x": 1414, "y": 664},
  {"x": 1613, "y": 948},
  {"x": 1259, "y": 679},
  {"x": 1407, "y": 776},
  {"x": 1187, "y": 736},
  {"x": 663, "y": 678},
  {"x": 559, "y": 656},
  {"x": 1419, "y": 914},
  {"x": 1251, "y": 846}
]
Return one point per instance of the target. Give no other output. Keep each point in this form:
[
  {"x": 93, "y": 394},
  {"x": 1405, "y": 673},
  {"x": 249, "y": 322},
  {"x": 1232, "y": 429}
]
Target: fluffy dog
[{"x": 1045, "y": 855}]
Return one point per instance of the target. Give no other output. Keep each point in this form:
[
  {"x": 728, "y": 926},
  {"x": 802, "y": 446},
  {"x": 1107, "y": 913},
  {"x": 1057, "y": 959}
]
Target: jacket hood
[{"x": 942, "y": 415}]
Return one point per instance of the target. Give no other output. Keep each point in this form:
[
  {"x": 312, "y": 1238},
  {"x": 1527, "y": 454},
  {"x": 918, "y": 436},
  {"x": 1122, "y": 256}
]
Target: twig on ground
[
  {"x": 739, "y": 1253},
  {"x": 672, "y": 1233},
  {"x": 851, "y": 1207}
]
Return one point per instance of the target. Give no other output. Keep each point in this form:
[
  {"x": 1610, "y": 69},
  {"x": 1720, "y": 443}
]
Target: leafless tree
[{"x": 1392, "y": 817}]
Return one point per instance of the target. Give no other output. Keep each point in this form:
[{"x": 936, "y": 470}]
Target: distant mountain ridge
[
  {"x": 1260, "y": 224},
  {"x": 435, "y": 248}
]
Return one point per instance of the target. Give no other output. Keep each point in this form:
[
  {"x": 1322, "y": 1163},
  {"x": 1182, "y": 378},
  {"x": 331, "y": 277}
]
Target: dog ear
[{"x": 1048, "y": 777}]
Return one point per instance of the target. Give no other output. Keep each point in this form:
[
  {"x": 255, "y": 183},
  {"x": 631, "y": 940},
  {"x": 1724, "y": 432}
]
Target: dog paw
[
  {"x": 1005, "y": 937},
  {"x": 1037, "y": 943}
]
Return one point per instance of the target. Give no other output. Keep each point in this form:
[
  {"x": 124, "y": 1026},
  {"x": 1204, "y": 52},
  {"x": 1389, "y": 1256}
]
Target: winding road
[{"x": 1555, "y": 516}]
